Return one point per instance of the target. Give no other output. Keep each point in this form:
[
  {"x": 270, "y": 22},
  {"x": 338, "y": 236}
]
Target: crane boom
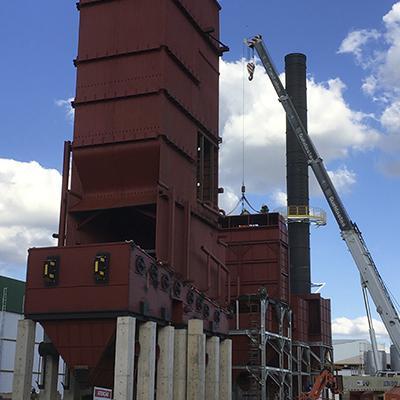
[{"x": 370, "y": 276}]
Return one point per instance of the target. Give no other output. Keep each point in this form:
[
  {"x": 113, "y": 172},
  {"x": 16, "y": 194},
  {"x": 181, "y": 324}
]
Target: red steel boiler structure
[{"x": 138, "y": 231}]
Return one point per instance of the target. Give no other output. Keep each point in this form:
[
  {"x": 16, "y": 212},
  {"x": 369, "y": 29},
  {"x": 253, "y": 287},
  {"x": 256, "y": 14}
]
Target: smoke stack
[{"x": 297, "y": 177}]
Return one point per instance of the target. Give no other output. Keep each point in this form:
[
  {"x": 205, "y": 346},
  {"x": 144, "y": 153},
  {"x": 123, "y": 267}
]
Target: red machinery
[{"x": 138, "y": 228}]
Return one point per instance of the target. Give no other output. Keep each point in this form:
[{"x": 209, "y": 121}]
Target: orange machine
[{"x": 325, "y": 380}]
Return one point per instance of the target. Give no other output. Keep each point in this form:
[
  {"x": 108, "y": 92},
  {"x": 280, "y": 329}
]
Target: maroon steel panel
[
  {"x": 81, "y": 342},
  {"x": 112, "y": 27},
  {"x": 104, "y": 169},
  {"x": 76, "y": 291},
  {"x": 128, "y": 290},
  {"x": 157, "y": 55},
  {"x": 300, "y": 318},
  {"x": 319, "y": 328},
  {"x": 193, "y": 251},
  {"x": 258, "y": 256},
  {"x": 119, "y": 120}
]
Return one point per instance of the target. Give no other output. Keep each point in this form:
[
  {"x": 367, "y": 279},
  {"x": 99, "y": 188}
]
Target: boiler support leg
[
  {"x": 124, "y": 358},
  {"x": 196, "y": 361},
  {"x": 73, "y": 392},
  {"x": 50, "y": 378},
  {"x": 180, "y": 364},
  {"x": 25, "y": 346},
  {"x": 147, "y": 361},
  {"x": 225, "y": 384},
  {"x": 212, "y": 369},
  {"x": 165, "y": 364}
]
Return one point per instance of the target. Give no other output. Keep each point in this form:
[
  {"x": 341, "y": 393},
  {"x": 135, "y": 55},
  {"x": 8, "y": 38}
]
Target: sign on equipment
[{"x": 102, "y": 393}]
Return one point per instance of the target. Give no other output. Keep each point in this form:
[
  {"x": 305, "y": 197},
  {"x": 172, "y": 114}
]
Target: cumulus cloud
[
  {"x": 335, "y": 128},
  {"x": 343, "y": 179},
  {"x": 357, "y": 328},
  {"x": 279, "y": 198},
  {"x": 356, "y": 41},
  {"x": 391, "y": 117},
  {"x": 67, "y": 106},
  {"x": 29, "y": 204},
  {"x": 382, "y": 78}
]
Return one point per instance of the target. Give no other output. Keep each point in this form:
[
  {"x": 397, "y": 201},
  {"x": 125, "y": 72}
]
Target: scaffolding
[
  {"x": 276, "y": 367},
  {"x": 309, "y": 359},
  {"x": 313, "y": 215},
  {"x": 268, "y": 371}
]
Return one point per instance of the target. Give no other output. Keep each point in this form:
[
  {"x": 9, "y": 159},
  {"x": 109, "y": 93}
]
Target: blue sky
[{"x": 360, "y": 145}]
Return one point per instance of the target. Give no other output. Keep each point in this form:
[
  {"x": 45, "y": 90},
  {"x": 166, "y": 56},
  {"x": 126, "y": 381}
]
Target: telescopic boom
[{"x": 370, "y": 276}]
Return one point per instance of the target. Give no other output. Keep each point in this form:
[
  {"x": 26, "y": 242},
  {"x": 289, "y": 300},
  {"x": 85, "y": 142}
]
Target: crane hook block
[{"x": 250, "y": 69}]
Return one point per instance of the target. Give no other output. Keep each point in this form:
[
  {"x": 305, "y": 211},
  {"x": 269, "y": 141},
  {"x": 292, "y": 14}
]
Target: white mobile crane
[{"x": 370, "y": 277}]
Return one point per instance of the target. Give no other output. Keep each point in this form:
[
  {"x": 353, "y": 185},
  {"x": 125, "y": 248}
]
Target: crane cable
[{"x": 250, "y": 66}]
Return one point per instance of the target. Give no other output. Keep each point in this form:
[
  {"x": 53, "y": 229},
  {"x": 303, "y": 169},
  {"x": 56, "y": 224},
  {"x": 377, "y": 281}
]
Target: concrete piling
[
  {"x": 147, "y": 361},
  {"x": 165, "y": 364},
  {"x": 212, "y": 368},
  {"x": 180, "y": 364},
  {"x": 25, "y": 346},
  {"x": 225, "y": 368},
  {"x": 196, "y": 361},
  {"x": 124, "y": 358}
]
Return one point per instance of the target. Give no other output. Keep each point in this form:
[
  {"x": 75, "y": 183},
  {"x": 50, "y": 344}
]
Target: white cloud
[
  {"x": 343, "y": 179},
  {"x": 29, "y": 204},
  {"x": 357, "y": 328},
  {"x": 391, "y": 117},
  {"x": 369, "y": 85},
  {"x": 228, "y": 200},
  {"x": 355, "y": 42},
  {"x": 382, "y": 81},
  {"x": 67, "y": 106},
  {"x": 279, "y": 198},
  {"x": 333, "y": 125}
]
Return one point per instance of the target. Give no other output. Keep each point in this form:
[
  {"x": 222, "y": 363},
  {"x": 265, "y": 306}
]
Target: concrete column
[
  {"x": 165, "y": 364},
  {"x": 25, "y": 346},
  {"x": 212, "y": 368},
  {"x": 124, "y": 358},
  {"x": 196, "y": 361},
  {"x": 180, "y": 363},
  {"x": 50, "y": 391},
  {"x": 73, "y": 393},
  {"x": 147, "y": 361},
  {"x": 225, "y": 370}
]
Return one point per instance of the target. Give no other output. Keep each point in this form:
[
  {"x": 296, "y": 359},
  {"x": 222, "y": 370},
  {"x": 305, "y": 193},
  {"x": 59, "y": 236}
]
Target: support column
[
  {"x": 50, "y": 378},
  {"x": 212, "y": 369},
  {"x": 72, "y": 393},
  {"x": 124, "y": 358},
  {"x": 180, "y": 364},
  {"x": 147, "y": 361},
  {"x": 196, "y": 361},
  {"x": 25, "y": 346},
  {"x": 165, "y": 364},
  {"x": 225, "y": 370}
]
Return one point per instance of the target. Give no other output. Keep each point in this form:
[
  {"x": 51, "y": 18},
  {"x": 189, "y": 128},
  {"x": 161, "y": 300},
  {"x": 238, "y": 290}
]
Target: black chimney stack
[{"x": 297, "y": 177}]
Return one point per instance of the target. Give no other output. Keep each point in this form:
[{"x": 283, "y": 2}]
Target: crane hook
[{"x": 250, "y": 69}]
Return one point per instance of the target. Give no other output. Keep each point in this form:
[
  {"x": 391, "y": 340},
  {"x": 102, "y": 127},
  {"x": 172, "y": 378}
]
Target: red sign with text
[{"x": 102, "y": 393}]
